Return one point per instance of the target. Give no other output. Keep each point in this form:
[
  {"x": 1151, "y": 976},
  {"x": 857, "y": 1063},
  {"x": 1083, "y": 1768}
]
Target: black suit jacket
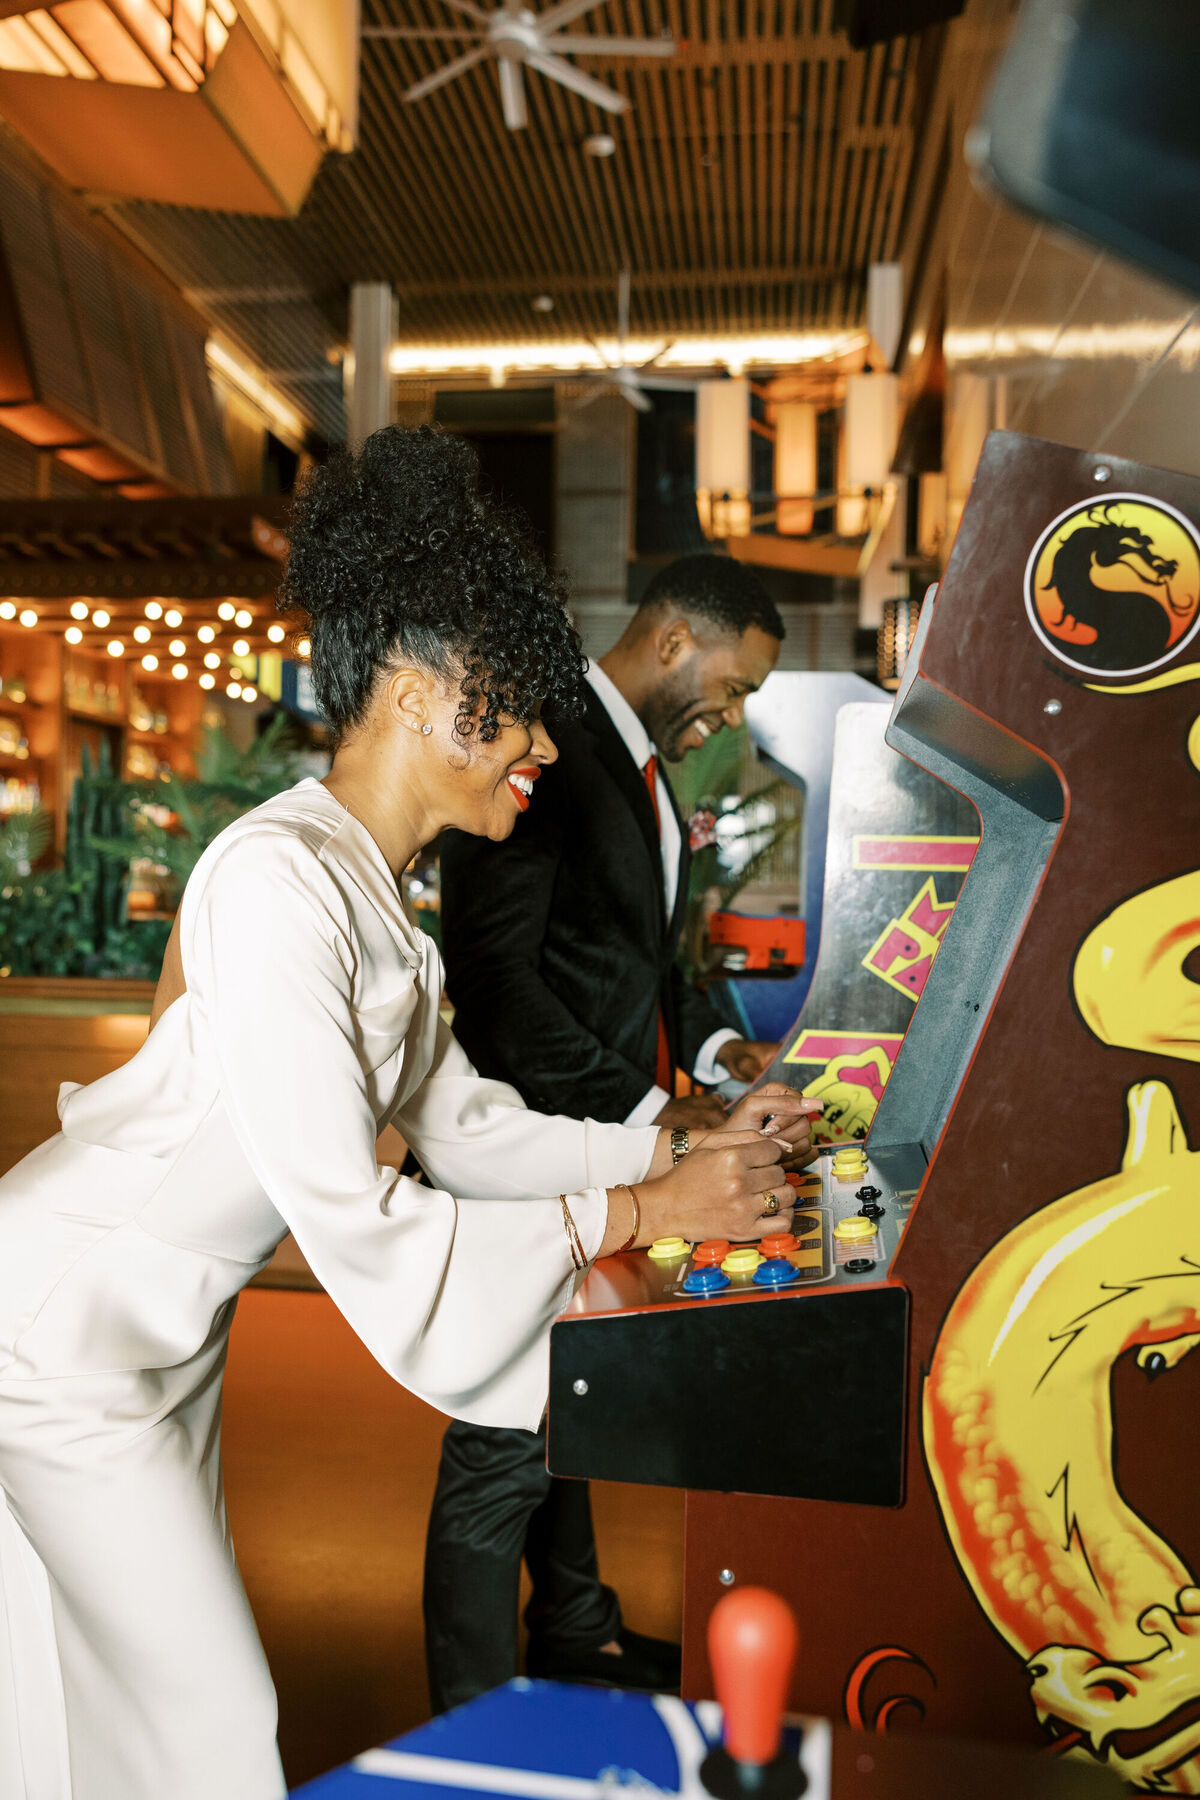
[{"x": 558, "y": 952}]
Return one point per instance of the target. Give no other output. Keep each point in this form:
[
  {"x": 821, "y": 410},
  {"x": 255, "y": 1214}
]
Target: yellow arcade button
[
  {"x": 670, "y": 1249},
  {"x": 849, "y": 1155},
  {"x": 742, "y": 1261},
  {"x": 855, "y": 1229}
]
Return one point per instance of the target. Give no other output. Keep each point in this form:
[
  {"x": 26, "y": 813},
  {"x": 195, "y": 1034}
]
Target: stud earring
[{"x": 425, "y": 730}]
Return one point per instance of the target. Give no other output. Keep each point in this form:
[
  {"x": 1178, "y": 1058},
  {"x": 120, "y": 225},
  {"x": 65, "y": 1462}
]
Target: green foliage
[
  {"x": 72, "y": 921},
  {"x": 42, "y": 923}
]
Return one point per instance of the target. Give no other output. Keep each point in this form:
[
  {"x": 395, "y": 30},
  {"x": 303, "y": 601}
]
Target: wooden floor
[{"x": 329, "y": 1470}]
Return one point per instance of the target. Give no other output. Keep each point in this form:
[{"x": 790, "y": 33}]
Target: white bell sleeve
[
  {"x": 477, "y": 1136},
  {"x": 453, "y": 1297}
]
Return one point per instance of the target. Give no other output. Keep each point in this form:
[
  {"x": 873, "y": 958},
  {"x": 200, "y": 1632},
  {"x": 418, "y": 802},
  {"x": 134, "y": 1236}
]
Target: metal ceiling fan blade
[
  {"x": 659, "y": 353},
  {"x": 584, "y": 45},
  {"x": 446, "y": 73},
  {"x": 512, "y": 94},
  {"x": 680, "y": 384},
  {"x": 596, "y": 391},
  {"x": 634, "y": 396},
  {"x": 624, "y": 290},
  {"x": 599, "y": 352},
  {"x": 452, "y": 34},
  {"x": 568, "y": 76},
  {"x": 477, "y": 13},
  {"x": 555, "y": 17}
]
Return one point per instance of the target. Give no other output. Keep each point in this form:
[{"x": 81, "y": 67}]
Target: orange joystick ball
[{"x": 752, "y": 1641}]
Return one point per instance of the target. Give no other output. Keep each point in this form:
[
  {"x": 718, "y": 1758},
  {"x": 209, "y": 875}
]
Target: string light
[
  {"x": 179, "y": 671},
  {"x": 276, "y": 633},
  {"x": 243, "y": 620},
  {"x": 79, "y": 609},
  {"x": 177, "y": 647},
  {"x": 153, "y": 609},
  {"x": 208, "y": 681},
  {"x": 7, "y": 610},
  {"x": 174, "y": 619},
  {"x": 212, "y": 660},
  {"x": 73, "y": 634},
  {"x": 249, "y": 693},
  {"x": 100, "y": 619},
  {"x": 206, "y": 634},
  {"x": 28, "y": 617},
  {"x": 141, "y": 634},
  {"x": 226, "y": 609},
  {"x": 240, "y": 647},
  {"x": 304, "y": 647},
  {"x": 233, "y": 689},
  {"x": 116, "y": 647},
  {"x": 150, "y": 662}
]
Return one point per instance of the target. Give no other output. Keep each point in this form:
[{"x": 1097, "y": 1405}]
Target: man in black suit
[{"x": 560, "y": 946}]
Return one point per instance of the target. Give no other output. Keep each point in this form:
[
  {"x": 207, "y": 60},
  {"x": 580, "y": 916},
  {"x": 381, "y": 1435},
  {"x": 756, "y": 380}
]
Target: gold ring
[{"x": 772, "y": 1206}]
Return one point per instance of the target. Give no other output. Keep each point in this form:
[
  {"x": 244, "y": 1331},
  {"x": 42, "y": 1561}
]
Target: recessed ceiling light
[
  {"x": 79, "y": 609},
  {"x": 226, "y": 609},
  {"x": 212, "y": 660},
  {"x": 173, "y": 619},
  {"x": 243, "y": 619},
  {"x": 208, "y": 681},
  {"x": 150, "y": 662},
  {"x": 142, "y": 634},
  {"x": 206, "y": 634},
  {"x": 153, "y": 609},
  {"x": 240, "y": 647},
  {"x": 542, "y": 303},
  {"x": 600, "y": 144},
  {"x": 276, "y": 633},
  {"x": 73, "y": 634}
]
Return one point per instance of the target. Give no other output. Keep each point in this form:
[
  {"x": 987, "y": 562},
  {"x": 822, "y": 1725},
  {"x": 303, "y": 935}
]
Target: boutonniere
[{"x": 702, "y": 829}]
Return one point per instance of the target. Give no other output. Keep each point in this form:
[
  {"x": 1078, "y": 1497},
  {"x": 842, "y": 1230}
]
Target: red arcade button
[{"x": 712, "y": 1252}]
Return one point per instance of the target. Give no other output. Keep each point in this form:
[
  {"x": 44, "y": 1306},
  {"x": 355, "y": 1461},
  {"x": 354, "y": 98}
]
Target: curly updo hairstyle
[{"x": 395, "y": 556}]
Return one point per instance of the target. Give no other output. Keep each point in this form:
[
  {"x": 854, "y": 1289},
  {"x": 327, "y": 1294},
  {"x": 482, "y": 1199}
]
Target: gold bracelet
[
  {"x": 573, "y": 1237},
  {"x": 637, "y": 1220}
]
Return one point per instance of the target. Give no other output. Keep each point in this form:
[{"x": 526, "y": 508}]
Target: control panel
[{"x": 775, "y": 1367}]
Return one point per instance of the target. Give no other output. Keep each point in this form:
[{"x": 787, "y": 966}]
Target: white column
[{"x": 368, "y": 379}]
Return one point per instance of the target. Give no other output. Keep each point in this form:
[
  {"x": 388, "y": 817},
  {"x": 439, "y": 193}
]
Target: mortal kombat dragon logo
[{"x": 1114, "y": 585}]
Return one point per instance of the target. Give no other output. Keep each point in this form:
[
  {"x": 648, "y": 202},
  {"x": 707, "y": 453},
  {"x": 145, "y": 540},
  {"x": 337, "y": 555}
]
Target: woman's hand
[
  {"x": 715, "y": 1192},
  {"x": 777, "y": 1112}
]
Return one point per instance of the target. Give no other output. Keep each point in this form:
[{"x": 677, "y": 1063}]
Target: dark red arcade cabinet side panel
[{"x": 1039, "y": 1579}]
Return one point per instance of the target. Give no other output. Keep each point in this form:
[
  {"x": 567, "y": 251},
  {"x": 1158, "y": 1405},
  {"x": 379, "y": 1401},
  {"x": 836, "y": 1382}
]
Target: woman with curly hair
[{"x": 299, "y": 1015}]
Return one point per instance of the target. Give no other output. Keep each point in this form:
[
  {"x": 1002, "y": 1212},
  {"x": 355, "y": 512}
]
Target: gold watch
[{"x": 680, "y": 1144}]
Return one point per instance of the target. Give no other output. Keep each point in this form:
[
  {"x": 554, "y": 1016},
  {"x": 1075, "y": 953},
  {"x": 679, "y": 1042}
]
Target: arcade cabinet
[{"x": 971, "y": 1464}]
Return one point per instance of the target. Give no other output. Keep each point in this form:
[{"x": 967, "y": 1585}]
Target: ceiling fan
[
  {"x": 517, "y": 38},
  {"x": 623, "y": 377}
]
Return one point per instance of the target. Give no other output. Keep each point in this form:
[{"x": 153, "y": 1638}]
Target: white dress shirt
[{"x": 636, "y": 739}]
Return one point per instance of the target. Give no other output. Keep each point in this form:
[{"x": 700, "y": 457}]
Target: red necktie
[{"x": 664, "y": 1074}]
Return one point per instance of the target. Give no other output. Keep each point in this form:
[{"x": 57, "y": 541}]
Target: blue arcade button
[
  {"x": 779, "y": 1272},
  {"x": 705, "y": 1281}
]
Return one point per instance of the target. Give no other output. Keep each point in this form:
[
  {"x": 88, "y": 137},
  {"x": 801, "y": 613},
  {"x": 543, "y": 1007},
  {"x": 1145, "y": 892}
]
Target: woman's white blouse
[{"x": 309, "y": 1022}]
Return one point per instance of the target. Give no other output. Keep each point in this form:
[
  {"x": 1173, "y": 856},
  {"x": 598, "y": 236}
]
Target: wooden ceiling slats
[{"x": 760, "y": 171}]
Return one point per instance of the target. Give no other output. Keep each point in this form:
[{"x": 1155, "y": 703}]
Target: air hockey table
[{"x": 540, "y": 1740}]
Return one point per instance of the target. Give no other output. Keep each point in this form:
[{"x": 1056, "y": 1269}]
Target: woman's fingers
[{"x": 768, "y": 1108}]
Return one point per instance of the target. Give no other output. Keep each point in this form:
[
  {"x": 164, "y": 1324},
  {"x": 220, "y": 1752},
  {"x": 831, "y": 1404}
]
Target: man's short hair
[{"x": 721, "y": 590}]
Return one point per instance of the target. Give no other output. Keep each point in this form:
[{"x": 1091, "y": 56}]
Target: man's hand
[
  {"x": 698, "y": 1112},
  {"x": 745, "y": 1058}
]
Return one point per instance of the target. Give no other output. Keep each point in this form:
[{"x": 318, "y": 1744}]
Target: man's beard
[{"x": 666, "y": 717}]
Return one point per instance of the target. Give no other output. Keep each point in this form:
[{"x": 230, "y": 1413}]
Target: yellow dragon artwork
[{"x": 1017, "y": 1405}]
